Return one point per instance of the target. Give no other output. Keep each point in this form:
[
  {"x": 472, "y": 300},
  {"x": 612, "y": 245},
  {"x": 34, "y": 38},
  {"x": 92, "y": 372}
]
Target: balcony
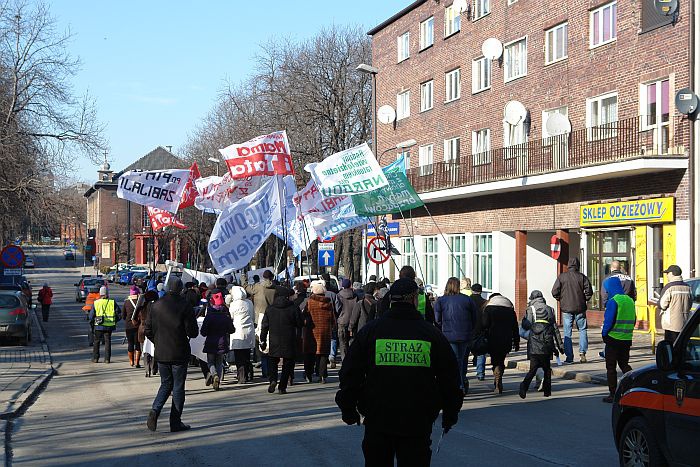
[{"x": 632, "y": 145}]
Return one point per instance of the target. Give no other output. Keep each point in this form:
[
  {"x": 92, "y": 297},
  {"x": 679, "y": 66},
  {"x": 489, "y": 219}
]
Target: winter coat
[
  {"x": 217, "y": 328},
  {"x": 148, "y": 299},
  {"x": 675, "y": 302},
  {"x": 192, "y": 296},
  {"x": 347, "y": 299},
  {"x": 539, "y": 310},
  {"x": 281, "y": 321},
  {"x": 400, "y": 399},
  {"x": 544, "y": 338},
  {"x": 572, "y": 289},
  {"x": 262, "y": 294},
  {"x": 363, "y": 312},
  {"x": 243, "y": 316},
  {"x": 480, "y": 303},
  {"x": 456, "y": 316},
  {"x": 129, "y": 310},
  {"x": 45, "y": 296},
  {"x": 169, "y": 325},
  {"x": 627, "y": 285},
  {"x": 322, "y": 322},
  {"x": 501, "y": 326}
]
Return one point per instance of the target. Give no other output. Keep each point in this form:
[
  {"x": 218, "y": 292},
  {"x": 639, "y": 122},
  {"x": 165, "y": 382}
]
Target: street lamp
[
  {"x": 216, "y": 161},
  {"x": 369, "y": 69},
  {"x": 409, "y": 143}
]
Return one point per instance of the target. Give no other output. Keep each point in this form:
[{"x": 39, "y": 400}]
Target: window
[
  {"x": 548, "y": 113},
  {"x": 403, "y": 105},
  {"x": 481, "y": 146},
  {"x": 481, "y": 8},
  {"x": 559, "y": 146},
  {"x": 513, "y": 135},
  {"x": 691, "y": 354},
  {"x": 603, "y": 24},
  {"x": 603, "y": 249},
  {"x": 458, "y": 263},
  {"x": 655, "y": 113},
  {"x": 426, "y": 33},
  {"x": 425, "y": 160},
  {"x": 426, "y": 96},
  {"x": 452, "y": 85},
  {"x": 402, "y": 46},
  {"x": 601, "y": 116},
  {"x": 515, "y": 59},
  {"x": 452, "y": 150},
  {"x": 406, "y": 158},
  {"x": 430, "y": 259},
  {"x": 408, "y": 256},
  {"x": 145, "y": 220},
  {"x": 482, "y": 261},
  {"x": 481, "y": 74},
  {"x": 452, "y": 20},
  {"x": 555, "y": 47}
]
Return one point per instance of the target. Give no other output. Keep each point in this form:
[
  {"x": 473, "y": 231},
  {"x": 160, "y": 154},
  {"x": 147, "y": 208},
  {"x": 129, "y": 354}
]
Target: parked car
[
  {"x": 68, "y": 255},
  {"x": 111, "y": 276},
  {"x": 28, "y": 263},
  {"x": 126, "y": 276},
  {"x": 83, "y": 286},
  {"x": 138, "y": 276},
  {"x": 14, "y": 316},
  {"x": 694, "y": 284},
  {"x": 656, "y": 409}
]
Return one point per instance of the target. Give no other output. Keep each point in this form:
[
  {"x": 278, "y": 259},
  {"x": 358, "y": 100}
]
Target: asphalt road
[{"x": 94, "y": 414}]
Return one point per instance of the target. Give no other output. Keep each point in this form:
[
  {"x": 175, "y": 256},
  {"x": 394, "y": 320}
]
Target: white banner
[
  {"x": 342, "y": 219},
  {"x": 216, "y": 193},
  {"x": 263, "y": 155},
  {"x": 348, "y": 172},
  {"x": 160, "y": 189},
  {"x": 243, "y": 227}
]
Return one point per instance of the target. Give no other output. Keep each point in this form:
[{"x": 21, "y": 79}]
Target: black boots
[{"x": 152, "y": 421}]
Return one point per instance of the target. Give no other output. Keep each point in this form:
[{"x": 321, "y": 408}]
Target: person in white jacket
[{"x": 243, "y": 340}]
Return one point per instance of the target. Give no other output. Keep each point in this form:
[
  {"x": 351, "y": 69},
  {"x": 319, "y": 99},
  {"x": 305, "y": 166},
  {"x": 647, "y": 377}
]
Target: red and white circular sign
[{"x": 555, "y": 246}]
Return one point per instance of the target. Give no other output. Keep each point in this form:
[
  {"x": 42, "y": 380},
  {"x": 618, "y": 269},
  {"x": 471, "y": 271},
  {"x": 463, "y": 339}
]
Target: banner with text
[
  {"x": 342, "y": 219},
  {"x": 216, "y": 193},
  {"x": 190, "y": 192},
  {"x": 161, "y": 219},
  {"x": 243, "y": 227},
  {"x": 160, "y": 189},
  {"x": 398, "y": 196},
  {"x": 264, "y": 155},
  {"x": 348, "y": 172}
]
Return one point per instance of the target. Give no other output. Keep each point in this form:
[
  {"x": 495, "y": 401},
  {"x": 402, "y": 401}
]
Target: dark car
[
  {"x": 694, "y": 284},
  {"x": 138, "y": 277},
  {"x": 68, "y": 255},
  {"x": 656, "y": 409},
  {"x": 14, "y": 316},
  {"x": 17, "y": 283},
  {"x": 82, "y": 288}
]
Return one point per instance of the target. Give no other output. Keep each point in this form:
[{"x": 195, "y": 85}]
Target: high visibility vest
[
  {"x": 624, "y": 321},
  {"x": 421, "y": 304},
  {"x": 105, "y": 307}
]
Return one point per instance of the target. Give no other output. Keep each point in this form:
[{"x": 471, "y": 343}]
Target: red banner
[
  {"x": 264, "y": 155},
  {"x": 190, "y": 192},
  {"x": 161, "y": 219}
]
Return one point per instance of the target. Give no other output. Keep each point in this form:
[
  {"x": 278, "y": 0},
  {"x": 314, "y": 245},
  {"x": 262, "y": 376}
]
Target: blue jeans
[
  {"x": 461, "y": 350},
  {"x": 334, "y": 350},
  {"x": 172, "y": 381},
  {"x": 580, "y": 319},
  {"x": 216, "y": 364},
  {"x": 481, "y": 366}
]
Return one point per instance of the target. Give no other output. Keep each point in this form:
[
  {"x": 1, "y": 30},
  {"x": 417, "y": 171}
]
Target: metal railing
[{"x": 618, "y": 141}]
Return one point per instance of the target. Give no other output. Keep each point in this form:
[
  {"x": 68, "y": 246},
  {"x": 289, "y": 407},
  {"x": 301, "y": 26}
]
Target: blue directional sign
[
  {"x": 392, "y": 228},
  {"x": 326, "y": 254}
]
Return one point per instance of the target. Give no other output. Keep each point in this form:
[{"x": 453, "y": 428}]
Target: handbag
[{"x": 480, "y": 344}]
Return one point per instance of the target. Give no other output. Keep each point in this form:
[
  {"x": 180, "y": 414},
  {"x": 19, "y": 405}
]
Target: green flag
[{"x": 398, "y": 196}]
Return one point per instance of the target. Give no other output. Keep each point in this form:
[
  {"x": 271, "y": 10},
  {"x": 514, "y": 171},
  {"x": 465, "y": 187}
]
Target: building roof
[{"x": 398, "y": 15}]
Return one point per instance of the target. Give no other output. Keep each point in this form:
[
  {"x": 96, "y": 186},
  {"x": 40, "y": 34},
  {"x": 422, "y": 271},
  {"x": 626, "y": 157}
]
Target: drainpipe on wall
[{"x": 694, "y": 169}]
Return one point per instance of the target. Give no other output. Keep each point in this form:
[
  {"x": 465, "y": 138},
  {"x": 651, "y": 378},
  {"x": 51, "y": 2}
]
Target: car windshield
[
  {"x": 695, "y": 289},
  {"x": 9, "y": 301}
]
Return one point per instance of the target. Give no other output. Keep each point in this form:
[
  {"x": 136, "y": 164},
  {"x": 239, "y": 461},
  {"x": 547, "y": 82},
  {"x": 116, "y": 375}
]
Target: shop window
[
  {"x": 482, "y": 259},
  {"x": 430, "y": 260},
  {"x": 603, "y": 249},
  {"x": 458, "y": 260}
]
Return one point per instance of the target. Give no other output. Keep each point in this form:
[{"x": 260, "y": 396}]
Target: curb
[
  {"x": 24, "y": 399},
  {"x": 562, "y": 373}
]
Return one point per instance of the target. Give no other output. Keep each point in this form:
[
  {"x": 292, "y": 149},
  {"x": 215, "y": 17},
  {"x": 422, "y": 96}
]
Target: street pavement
[{"x": 94, "y": 414}]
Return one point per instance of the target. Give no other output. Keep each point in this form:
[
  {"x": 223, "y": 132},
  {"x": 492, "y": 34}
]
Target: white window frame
[
  {"x": 590, "y": 124},
  {"x": 426, "y": 159},
  {"x": 481, "y": 146},
  {"x": 481, "y": 74},
  {"x": 453, "y": 85},
  {"x": 563, "y": 110},
  {"x": 430, "y": 260},
  {"x": 406, "y": 153},
  {"x": 551, "y": 43},
  {"x": 459, "y": 256},
  {"x": 507, "y": 60},
  {"x": 403, "y": 50},
  {"x": 481, "y": 8},
  {"x": 453, "y": 21},
  {"x": 478, "y": 257},
  {"x": 451, "y": 150},
  {"x": 408, "y": 252},
  {"x": 427, "y": 33},
  {"x": 613, "y": 26},
  {"x": 426, "y": 95},
  {"x": 514, "y": 135},
  {"x": 403, "y": 105},
  {"x": 661, "y": 128}
]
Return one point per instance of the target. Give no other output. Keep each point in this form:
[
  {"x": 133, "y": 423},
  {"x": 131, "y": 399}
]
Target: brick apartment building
[
  {"x": 497, "y": 182},
  {"x": 107, "y": 216}
]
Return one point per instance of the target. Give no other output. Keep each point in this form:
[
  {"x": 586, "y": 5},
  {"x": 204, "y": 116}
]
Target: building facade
[{"x": 566, "y": 129}]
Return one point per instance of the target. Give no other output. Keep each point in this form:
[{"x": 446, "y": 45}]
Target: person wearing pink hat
[
  {"x": 217, "y": 328},
  {"x": 131, "y": 325}
]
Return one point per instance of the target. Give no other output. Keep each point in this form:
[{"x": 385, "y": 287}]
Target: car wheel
[{"x": 638, "y": 448}]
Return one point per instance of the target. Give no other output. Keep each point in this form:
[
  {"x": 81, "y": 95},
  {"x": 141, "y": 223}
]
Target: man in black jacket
[
  {"x": 170, "y": 325},
  {"x": 573, "y": 289},
  {"x": 625, "y": 279},
  {"x": 400, "y": 372}
]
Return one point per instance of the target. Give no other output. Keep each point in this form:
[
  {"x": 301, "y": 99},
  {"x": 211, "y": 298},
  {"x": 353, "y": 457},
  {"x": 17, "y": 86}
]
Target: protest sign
[
  {"x": 348, "y": 172},
  {"x": 190, "y": 192},
  {"x": 161, "y": 219},
  {"x": 216, "y": 193},
  {"x": 160, "y": 189},
  {"x": 263, "y": 155},
  {"x": 243, "y": 227},
  {"x": 398, "y": 196},
  {"x": 341, "y": 220}
]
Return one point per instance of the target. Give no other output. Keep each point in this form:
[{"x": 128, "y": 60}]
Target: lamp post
[
  {"x": 409, "y": 143},
  {"x": 217, "y": 162}
]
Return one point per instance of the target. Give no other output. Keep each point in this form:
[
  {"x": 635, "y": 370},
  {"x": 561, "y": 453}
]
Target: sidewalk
[{"x": 594, "y": 370}]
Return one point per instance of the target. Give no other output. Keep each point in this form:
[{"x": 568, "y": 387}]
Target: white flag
[
  {"x": 160, "y": 189},
  {"x": 216, "y": 193}
]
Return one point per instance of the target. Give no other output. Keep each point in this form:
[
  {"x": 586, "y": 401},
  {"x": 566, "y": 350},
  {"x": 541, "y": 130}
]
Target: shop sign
[{"x": 641, "y": 211}]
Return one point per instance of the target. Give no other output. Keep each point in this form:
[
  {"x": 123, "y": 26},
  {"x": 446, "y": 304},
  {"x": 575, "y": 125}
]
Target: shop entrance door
[{"x": 603, "y": 248}]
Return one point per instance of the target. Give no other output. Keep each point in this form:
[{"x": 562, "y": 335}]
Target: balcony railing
[{"x": 613, "y": 142}]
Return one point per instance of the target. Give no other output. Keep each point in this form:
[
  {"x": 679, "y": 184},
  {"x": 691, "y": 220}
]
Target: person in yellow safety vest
[
  {"x": 104, "y": 314},
  {"x": 618, "y": 327},
  {"x": 425, "y": 307}
]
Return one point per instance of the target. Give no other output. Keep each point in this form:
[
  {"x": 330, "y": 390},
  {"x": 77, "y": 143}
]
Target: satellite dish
[
  {"x": 557, "y": 124},
  {"x": 492, "y": 48},
  {"x": 460, "y": 5},
  {"x": 666, "y": 7},
  {"x": 386, "y": 114},
  {"x": 686, "y": 101},
  {"x": 514, "y": 112}
]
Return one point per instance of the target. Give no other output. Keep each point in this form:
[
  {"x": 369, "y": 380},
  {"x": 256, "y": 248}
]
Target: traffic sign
[
  {"x": 376, "y": 250},
  {"x": 12, "y": 256},
  {"x": 326, "y": 254},
  {"x": 392, "y": 228},
  {"x": 555, "y": 246},
  {"x": 12, "y": 272}
]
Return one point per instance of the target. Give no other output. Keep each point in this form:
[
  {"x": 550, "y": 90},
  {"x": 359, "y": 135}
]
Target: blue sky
[{"x": 156, "y": 67}]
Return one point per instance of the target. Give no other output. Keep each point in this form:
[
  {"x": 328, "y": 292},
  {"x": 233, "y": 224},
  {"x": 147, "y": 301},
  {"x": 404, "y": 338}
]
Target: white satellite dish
[
  {"x": 460, "y": 6},
  {"x": 514, "y": 112},
  {"x": 492, "y": 48},
  {"x": 386, "y": 114},
  {"x": 557, "y": 124}
]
